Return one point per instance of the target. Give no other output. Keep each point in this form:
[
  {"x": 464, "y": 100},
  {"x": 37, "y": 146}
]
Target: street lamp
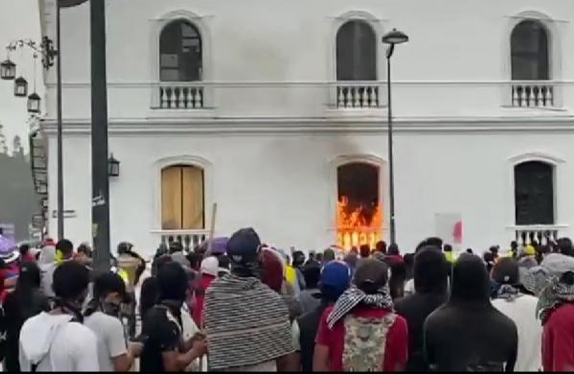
[
  {"x": 7, "y": 70},
  {"x": 20, "y": 87},
  {"x": 34, "y": 103},
  {"x": 392, "y": 38},
  {"x": 113, "y": 167}
]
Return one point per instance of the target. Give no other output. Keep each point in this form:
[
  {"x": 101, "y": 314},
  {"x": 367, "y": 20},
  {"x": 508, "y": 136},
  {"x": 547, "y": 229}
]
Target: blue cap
[{"x": 336, "y": 276}]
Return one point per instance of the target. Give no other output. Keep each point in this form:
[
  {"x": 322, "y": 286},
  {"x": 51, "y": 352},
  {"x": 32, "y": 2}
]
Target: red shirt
[
  {"x": 396, "y": 350},
  {"x": 199, "y": 296},
  {"x": 558, "y": 340}
]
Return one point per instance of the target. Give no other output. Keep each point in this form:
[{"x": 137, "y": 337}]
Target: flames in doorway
[{"x": 358, "y": 226}]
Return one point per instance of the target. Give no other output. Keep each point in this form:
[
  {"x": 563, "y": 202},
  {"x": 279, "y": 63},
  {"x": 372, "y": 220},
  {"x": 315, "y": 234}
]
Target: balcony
[
  {"x": 363, "y": 95},
  {"x": 178, "y": 95},
  {"x": 188, "y": 238},
  {"x": 534, "y": 94},
  {"x": 542, "y": 234}
]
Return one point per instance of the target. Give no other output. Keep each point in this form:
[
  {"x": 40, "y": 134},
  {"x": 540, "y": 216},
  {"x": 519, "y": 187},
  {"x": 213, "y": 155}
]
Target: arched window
[
  {"x": 180, "y": 53},
  {"x": 182, "y": 198},
  {"x": 534, "y": 193},
  {"x": 359, "y": 211},
  {"x": 529, "y": 49},
  {"x": 356, "y": 52}
]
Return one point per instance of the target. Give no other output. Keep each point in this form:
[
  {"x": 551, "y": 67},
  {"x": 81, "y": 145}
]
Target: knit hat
[
  {"x": 210, "y": 266},
  {"x": 272, "y": 274}
]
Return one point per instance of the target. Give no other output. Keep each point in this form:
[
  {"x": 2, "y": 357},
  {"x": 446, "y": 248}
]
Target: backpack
[{"x": 365, "y": 342}]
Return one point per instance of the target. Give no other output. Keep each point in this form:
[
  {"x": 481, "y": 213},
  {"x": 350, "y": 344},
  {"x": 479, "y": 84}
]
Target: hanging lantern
[
  {"x": 7, "y": 70},
  {"x": 113, "y": 167},
  {"x": 34, "y": 103},
  {"x": 20, "y": 87}
]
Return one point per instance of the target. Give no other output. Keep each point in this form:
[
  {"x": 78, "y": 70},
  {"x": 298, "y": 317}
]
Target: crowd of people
[{"x": 237, "y": 304}]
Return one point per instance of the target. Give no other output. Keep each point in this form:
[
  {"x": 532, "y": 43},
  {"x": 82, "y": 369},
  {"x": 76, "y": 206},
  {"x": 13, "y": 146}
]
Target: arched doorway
[{"x": 359, "y": 217}]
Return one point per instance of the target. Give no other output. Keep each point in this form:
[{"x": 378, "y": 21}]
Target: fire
[{"x": 359, "y": 226}]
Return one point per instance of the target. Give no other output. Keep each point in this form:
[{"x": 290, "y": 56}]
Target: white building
[{"x": 260, "y": 105}]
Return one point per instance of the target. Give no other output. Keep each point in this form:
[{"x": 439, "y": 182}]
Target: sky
[{"x": 20, "y": 22}]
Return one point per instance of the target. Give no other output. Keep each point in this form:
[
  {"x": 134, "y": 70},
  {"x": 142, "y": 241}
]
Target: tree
[{"x": 17, "y": 149}]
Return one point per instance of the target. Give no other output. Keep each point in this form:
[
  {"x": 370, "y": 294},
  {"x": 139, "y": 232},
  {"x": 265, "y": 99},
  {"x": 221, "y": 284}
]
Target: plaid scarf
[
  {"x": 553, "y": 296},
  {"x": 246, "y": 323},
  {"x": 353, "y": 297},
  {"x": 507, "y": 292}
]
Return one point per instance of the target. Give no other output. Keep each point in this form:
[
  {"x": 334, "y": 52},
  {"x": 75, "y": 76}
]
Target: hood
[
  {"x": 38, "y": 334},
  {"x": 470, "y": 280},
  {"x": 430, "y": 271}
]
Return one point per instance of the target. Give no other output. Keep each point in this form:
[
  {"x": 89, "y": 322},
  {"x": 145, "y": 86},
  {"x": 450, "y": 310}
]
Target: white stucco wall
[
  {"x": 283, "y": 184},
  {"x": 271, "y": 140}
]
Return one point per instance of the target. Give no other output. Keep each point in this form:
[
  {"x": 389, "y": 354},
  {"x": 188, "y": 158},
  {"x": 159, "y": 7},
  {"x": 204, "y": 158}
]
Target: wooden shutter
[
  {"x": 192, "y": 198},
  {"x": 171, "y": 207}
]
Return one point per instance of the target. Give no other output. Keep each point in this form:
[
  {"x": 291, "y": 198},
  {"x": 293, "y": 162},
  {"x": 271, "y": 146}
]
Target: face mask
[{"x": 111, "y": 309}]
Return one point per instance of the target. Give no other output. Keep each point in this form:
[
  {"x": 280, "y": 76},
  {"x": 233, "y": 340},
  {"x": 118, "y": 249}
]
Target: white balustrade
[
  {"x": 181, "y": 96},
  {"x": 535, "y": 94},
  {"x": 541, "y": 234},
  {"x": 359, "y": 95},
  {"x": 188, "y": 238}
]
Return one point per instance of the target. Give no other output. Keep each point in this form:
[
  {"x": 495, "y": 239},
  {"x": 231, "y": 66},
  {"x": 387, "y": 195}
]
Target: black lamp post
[
  {"x": 7, "y": 70},
  {"x": 20, "y": 87},
  {"x": 113, "y": 167},
  {"x": 392, "y": 38}
]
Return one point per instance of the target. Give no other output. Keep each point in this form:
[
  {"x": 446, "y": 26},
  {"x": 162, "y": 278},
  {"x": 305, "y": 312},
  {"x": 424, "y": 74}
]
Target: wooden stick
[{"x": 212, "y": 228}]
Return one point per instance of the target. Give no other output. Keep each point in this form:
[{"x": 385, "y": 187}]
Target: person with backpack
[
  {"x": 58, "y": 341},
  {"x": 163, "y": 330},
  {"x": 335, "y": 279},
  {"x": 361, "y": 332},
  {"x": 26, "y": 301},
  {"x": 102, "y": 316}
]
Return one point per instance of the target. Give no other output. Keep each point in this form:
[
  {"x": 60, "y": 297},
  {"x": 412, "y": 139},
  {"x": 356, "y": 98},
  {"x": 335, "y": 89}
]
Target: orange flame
[{"x": 357, "y": 227}]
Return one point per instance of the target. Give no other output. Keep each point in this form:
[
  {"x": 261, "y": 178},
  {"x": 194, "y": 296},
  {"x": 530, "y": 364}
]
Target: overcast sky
[{"x": 19, "y": 19}]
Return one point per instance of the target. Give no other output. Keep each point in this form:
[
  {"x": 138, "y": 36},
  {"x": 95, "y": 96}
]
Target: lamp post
[
  {"x": 100, "y": 172},
  {"x": 392, "y": 38}
]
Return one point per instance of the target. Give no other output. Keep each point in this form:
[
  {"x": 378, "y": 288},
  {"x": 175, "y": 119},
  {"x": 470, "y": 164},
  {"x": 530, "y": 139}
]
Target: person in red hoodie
[{"x": 208, "y": 272}]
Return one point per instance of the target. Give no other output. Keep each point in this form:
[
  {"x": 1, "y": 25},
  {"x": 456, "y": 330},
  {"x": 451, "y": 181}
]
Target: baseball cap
[
  {"x": 506, "y": 271},
  {"x": 336, "y": 275},
  {"x": 243, "y": 246}
]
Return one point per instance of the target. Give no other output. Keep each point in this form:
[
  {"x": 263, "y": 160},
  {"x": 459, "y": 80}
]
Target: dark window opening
[{"x": 534, "y": 193}]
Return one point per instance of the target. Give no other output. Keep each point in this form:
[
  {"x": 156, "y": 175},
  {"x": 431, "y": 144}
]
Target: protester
[
  {"x": 468, "y": 333},
  {"x": 521, "y": 309},
  {"x": 335, "y": 279},
  {"x": 364, "y": 251},
  {"x": 57, "y": 341},
  {"x": 430, "y": 281},
  {"x": 527, "y": 257},
  {"x": 25, "y": 302},
  {"x": 64, "y": 252},
  {"x": 102, "y": 316},
  {"x": 381, "y": 247},
  {"x": 352, "y": 260},
  {"x": 208, "y": 273},
  {"x": 84, "y": 254},
  {"x": 310, "y": 297},
  {"x": 239, "y": 308},
  {"x": 133, "y": 265},
  {"x": 555, "y": 287},
  {"x": 165, "y": 348},
  {"x": 514, "y": 252},
  {"x": 448, "y": 253},
  {"x": 361, "y": 332},
  {"x": 565, "y": 246},
  {"x": 25, "y": 253},
  {"x": 328, "y": 255},
  {"x": 409, "y": 259}
]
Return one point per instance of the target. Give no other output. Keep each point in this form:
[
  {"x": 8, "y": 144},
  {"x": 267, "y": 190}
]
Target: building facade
[{"x": 276, "y": 111}]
